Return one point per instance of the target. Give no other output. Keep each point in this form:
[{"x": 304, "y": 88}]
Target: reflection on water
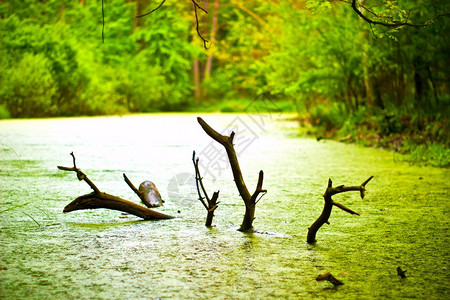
[{"x": 103, "y": 254}]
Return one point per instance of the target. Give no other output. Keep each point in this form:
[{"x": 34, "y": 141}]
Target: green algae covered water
[{"x": 103, "y": 254}]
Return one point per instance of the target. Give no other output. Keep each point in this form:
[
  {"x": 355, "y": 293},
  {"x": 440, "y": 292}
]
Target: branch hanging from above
[
  {"x": 195, "y": 6},
  {"x": 98, "y": 199},
  {"x": 103, "y": 22},
  {"x": 80, "y": 175},
  {"x": 330, "y": 191},
  {"x": 146, "y": 14},
  {"x": 395, "y": 24}
]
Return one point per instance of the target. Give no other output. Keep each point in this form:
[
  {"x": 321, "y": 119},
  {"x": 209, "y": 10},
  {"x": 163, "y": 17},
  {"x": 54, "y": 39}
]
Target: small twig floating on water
[
  {"x": 401, "y": 272},
  {"x": 328, "y": 277}
]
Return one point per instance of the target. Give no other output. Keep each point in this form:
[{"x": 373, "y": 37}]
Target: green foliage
[
  {"x": 31, "y": 80},
  {"x": 165, "y": 48},
  {"x": 4, "y": 112},
  {"x": 431, "y": 153},
  {"x": 57, "y": 47},
  {"x": 337, "y": 70}
]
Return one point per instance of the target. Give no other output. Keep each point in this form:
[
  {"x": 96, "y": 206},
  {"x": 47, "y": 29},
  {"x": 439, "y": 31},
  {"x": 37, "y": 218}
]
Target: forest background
[{"x": 345, "y": 78}]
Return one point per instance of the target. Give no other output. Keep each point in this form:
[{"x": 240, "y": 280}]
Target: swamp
[
  {"x": 104, "y": 254},
  {"x": 211, "y": 149}
]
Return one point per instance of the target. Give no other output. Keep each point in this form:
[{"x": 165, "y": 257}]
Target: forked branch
[
  {"x": 98, "y": 199},
  {"x": 209, "y": 204},
  {"x": 250, "y": 200},
  {"x": 195, "y": 7},
  {"x": 324, "y": 216}
]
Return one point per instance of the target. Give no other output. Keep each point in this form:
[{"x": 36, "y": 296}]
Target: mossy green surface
[{"x": 102, "y": 254}]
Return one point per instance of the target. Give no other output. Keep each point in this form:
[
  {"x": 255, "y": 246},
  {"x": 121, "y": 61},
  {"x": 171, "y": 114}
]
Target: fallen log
[{"x": 98, "y": 199}]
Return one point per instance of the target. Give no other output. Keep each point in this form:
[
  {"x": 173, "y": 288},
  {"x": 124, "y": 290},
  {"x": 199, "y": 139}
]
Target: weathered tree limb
[
  {"x": 328, "y": 277},
  {"x": 250, "y": 200},
  {"x": 98, "y": 199},
  {"x": 104, "y": 200},
  {"x": 210, "y": 204},
  {"x": 330, "y": 191},
  {"x": 195, "y": 7}
]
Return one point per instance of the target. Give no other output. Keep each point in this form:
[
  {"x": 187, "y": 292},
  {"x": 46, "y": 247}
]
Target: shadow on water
[{"x": 404, "y": 218}]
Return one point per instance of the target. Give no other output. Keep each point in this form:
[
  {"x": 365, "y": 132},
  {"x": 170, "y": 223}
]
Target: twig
[
  {"x": 328, "y": 277},
  {"x": 210, "y": 204},
  {"x": 146, "y": 14},
  {"x": 196, "y": 5},
  {"x": 103, "y": 23},
  {"x": 394, "y": 24},
  {"x": 329, "y": 203},
  {"x": 80, "y": 175}
]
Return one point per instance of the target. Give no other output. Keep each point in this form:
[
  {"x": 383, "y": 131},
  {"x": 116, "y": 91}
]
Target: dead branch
[
  {"x": 98, "y": 199},
  {"x": 394, "y": 24},
  {"x": 401, "y": 272},
  {"x": 210, "y": 204},
  {"x": 250, "y": 200},
  {"x": 330, "y": 191},
  {"x": 195, "y": 6},
  {"x": 328, "y": 277}
]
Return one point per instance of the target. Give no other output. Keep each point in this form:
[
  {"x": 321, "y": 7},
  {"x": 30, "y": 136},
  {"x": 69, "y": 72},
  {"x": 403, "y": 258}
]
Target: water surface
[{"x": 102, "y": 254}]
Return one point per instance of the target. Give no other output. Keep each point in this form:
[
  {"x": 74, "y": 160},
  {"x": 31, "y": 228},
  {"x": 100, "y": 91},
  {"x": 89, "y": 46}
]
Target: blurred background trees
[{"x": 337, "y": 71}]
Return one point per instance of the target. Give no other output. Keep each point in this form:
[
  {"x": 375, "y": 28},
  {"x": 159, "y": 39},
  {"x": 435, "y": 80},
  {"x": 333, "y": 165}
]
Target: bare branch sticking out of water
[
  {"x": 98, "y": 199},
  {"x": 211, "y": 203},
  {"x": 250, "y": 200},
  {"x": 329, "y": 203}
]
